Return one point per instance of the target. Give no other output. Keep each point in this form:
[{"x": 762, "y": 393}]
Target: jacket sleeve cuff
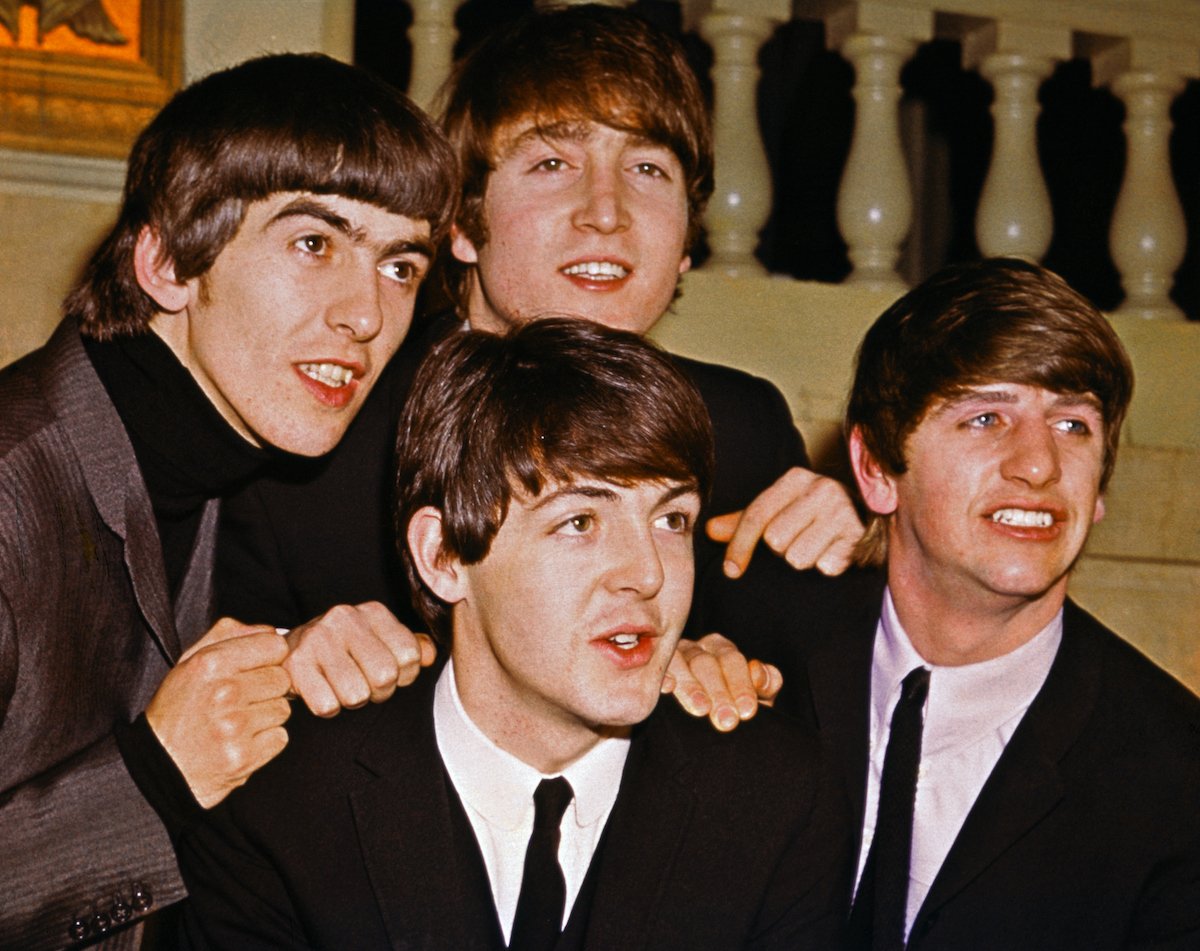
[{"x": 156, "y": 775}]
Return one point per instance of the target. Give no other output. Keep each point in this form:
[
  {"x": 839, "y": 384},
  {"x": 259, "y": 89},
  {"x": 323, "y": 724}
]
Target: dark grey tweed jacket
[{"x": 87, "y": 633}]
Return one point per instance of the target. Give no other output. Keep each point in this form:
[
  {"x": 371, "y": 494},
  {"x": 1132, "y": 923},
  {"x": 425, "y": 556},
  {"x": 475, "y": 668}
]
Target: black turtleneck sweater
[
  {"x": 187, "y": 454},
  {"x": 185, "y": 449}
]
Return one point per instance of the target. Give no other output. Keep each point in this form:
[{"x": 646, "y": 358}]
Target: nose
[
  {"x": 602, "y": 202},
  {"x": 357, "y": 308},
  {"x": 1033, "y": 455},
  {"x": 636, "y": 564}
]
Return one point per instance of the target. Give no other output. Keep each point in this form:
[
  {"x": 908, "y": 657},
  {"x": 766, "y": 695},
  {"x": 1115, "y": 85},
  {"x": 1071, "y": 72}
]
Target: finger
[
  {"x": 768, "y": 681},
  {"x": 235, "y": 655},
  {"x": 225, "y": 629},
  {"x": 428, "y": 649},
  {"x": 742, "y": 542},
  {"x": 310, "y": 685},
  {"x": 706, "y": 670},
  {"x": 720, "y": 528},
  {"x": 688, "y": 692},
  {"x": 262, "y": 684},
  {"x": 838, "y": 556},
  {"x": 735, "y": 670}
]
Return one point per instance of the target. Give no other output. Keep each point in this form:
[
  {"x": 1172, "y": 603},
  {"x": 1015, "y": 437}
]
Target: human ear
[
  {"x": 1098, "y": 514},
  {"x": 442, "y": 573},
  {"x": 685, "y": 264},
  {"x": 878, "y": 488},
  {"x": 156, "y": 273},
  {"x": 462, "y": 247}
]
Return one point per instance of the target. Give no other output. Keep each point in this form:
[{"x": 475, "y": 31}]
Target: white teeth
[
  {"x": 602, "y": 269},
  {"x": 328, "y": 373},
  {"x": 1023, "y": 518},
  {"x": 625, "y": 641}
]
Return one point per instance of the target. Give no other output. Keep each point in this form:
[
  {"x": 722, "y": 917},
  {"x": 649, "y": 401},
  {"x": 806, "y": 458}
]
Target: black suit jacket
[
  {"x": 1087, "y": 833},
  {"x": 350, "y": 839},
  {"x": 314, "y": 533}
]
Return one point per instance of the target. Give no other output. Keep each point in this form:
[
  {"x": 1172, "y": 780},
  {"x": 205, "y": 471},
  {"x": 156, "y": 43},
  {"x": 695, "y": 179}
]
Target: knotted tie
[
  {"x": 538, "y": 920},
  {"x": 878, "y": 916}
]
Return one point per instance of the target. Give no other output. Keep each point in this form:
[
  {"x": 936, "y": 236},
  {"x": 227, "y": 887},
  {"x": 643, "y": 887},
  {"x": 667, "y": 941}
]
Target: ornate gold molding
[{"x": 84, "y": 105}]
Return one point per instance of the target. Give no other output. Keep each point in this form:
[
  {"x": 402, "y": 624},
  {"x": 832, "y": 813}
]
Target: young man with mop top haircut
[
  {"x": 1020, "y": 776},
  {"x": 277, "y": 221},
  {"x": 557, "y": 568}
]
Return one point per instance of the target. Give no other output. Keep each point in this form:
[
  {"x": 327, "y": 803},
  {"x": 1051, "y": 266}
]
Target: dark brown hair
[
  {"x": 278, "y": 123},
  {"x": 553, "y": 400},
  {"x": 997, "y": 320},
  {"x": 570, "y": 64}
]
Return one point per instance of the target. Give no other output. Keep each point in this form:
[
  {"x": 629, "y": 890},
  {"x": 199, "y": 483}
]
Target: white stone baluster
[
  {"x": 1149, "y": 234},
  {"x": 874, "y": 205},
  {"x": 741, "y": 201},
  {"x": 1014, "y": 216},
  {"x": 432, "y": 35}
]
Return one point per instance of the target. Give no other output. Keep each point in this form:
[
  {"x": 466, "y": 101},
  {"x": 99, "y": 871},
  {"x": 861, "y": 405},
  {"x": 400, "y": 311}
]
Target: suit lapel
[
  {"x": 839, "y": 675},
  {"x": 648, "y": 824},
  {"x": 110, "y": 469},
  {"x": 1025, "y": 784},
  {"x": 422, "y": 871}
]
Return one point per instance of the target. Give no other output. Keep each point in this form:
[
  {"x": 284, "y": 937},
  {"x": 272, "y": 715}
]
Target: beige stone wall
[
  {"x": 1141, "y": 571},
  {"x": 48, "y": 241}
]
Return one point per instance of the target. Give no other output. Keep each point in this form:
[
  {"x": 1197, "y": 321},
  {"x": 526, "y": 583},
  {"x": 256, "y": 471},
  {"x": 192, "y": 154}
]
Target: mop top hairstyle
[
  {"x": 564, "y": 65},
  {"x": 552, "y": 401},
  {"x": 293, "y": 122},
  {"x": 996, "y": 320}
]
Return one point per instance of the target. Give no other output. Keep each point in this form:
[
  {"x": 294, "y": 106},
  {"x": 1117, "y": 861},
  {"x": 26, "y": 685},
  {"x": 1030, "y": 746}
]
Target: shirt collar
[
  {"x": 499, "y": 786},
  {"x": 968, "y": 701}
]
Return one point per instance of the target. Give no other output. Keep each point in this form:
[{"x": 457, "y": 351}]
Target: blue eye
[{"x": 1076, "y": 427}]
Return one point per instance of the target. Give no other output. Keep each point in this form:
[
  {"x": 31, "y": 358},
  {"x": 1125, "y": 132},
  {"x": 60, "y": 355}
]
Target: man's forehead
[{"x": 525, "y": 131}]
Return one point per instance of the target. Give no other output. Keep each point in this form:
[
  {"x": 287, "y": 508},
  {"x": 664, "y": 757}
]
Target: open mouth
[
  {"x": 1023, "y": 518},
  {"x": 625, "y": 642},
  {"x": 328, "y": 374},
  {"x": 597, "y": 270}
]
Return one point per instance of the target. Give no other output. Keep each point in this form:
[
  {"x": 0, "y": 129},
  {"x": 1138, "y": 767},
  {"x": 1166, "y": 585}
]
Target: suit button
[
  {"x": 120, "y": 911},
  {"x": 78, "y": 929},
  {"x": 101, "y": 923},
  {"x": 142, "y": 899}
]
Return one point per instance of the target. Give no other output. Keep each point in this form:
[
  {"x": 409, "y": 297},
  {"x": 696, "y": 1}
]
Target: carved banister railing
[{"x": 1142, "y": 52}]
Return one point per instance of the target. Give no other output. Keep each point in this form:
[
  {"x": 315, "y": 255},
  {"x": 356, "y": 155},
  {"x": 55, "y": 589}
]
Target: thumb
[{"x": 224, "y": 630}]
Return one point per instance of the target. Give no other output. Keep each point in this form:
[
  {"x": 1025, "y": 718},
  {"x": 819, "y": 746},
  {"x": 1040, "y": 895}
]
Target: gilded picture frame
[{"x": 84, "y": 76}]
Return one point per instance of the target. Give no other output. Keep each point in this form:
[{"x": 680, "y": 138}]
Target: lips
[
  {"x": 627, "y": 647},
  {"x": 597, "y": 273},
  {"x": 1027, "y": 521},
  {"x": 332, "y": 383}
]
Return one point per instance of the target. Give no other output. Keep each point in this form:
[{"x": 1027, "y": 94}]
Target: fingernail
[
  {"x": 727, "y": 718},
  {"x": 732, "y": 570},
  {"x": 747, "y": 706},
  {"x": 700, "y": 701}
]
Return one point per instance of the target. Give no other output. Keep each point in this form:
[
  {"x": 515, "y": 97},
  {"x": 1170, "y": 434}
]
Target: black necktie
[
  {"x": 538, "y": 921},
  {"x": 877, "y": 918}
]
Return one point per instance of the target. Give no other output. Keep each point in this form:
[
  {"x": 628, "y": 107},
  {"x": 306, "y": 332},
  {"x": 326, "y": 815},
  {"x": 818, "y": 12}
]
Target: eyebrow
[
  {"x": 971, "y": 396},
  {"x": 589, "y": 491},
  {"x": 312, "y": 208},
  {"x": 571, "y": 130}
]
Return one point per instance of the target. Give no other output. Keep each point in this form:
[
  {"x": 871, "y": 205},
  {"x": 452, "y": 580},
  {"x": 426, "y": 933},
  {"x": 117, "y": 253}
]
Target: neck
[
  {"x": 952, "y": 628},
  {"x": 480, "y": 314},
  {"x": 531, "y": 729}
]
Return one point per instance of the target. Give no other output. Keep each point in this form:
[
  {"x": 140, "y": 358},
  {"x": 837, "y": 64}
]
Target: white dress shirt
[
  {"x": 970, "y": 715},
  {"x": 496, "y": 789}
]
